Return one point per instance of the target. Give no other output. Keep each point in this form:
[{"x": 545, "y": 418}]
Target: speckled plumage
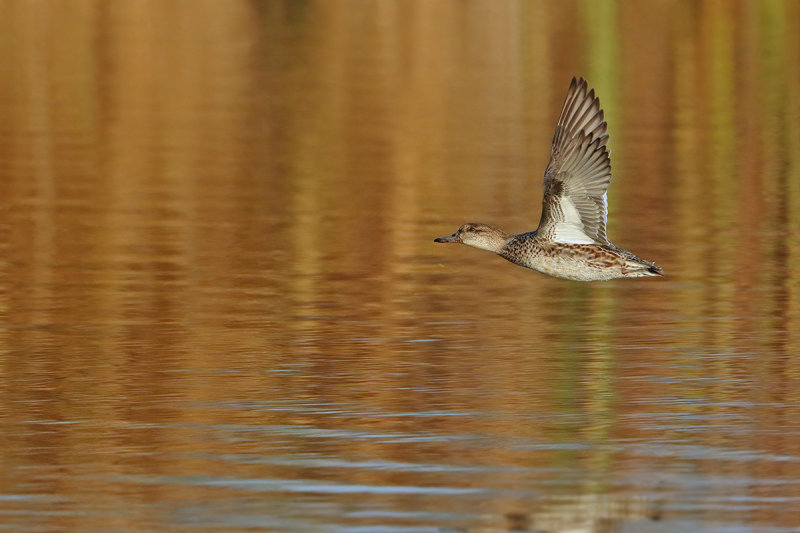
[{"x": 571, "y": 240}]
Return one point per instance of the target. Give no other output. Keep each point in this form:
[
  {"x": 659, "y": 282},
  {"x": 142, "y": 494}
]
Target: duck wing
[{"x": 574, "y": 206}]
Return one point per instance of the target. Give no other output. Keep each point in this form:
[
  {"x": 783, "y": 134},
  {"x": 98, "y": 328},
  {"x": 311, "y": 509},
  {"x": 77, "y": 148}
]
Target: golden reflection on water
[{"x": 223, "y": 305}]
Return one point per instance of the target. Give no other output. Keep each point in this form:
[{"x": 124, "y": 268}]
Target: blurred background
[{"x": 223, "y": 309}]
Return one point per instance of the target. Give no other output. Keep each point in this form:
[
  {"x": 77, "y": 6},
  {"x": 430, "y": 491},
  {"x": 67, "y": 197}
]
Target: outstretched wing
[{"x": 574, "y": 206}]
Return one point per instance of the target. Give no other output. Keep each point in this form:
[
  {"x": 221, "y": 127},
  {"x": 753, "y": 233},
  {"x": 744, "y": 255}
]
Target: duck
[{"x": 571, "y": 241}]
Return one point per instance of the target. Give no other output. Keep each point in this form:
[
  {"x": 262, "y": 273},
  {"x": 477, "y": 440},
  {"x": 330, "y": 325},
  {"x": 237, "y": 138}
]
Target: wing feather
[{"x": 575, "y": 206}]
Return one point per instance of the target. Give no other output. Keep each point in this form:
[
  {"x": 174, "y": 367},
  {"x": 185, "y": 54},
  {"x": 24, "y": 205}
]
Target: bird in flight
[{"x": 571, "y": 240}]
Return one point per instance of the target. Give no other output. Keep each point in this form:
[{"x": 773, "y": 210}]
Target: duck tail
[
  {"x": 637, "y": 268},
  {"x": 655, "y": 270}
]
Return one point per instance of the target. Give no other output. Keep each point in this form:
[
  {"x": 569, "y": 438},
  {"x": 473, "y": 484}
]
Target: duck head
[{"x": 478, "y": 235}]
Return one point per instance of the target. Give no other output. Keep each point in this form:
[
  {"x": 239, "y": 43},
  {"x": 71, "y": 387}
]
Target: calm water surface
[{"x": 223, "y": 309}]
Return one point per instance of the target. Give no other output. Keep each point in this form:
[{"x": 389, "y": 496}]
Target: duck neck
[{"x": 492, "y": 242}]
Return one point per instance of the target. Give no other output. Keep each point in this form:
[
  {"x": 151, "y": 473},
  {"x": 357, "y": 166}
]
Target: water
[{"x": 223, "y": 309}]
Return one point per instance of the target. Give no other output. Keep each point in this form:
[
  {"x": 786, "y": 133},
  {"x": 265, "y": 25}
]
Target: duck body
[
  {"x": 575, "y": 261},
  {"x": 571, "y": 240}
]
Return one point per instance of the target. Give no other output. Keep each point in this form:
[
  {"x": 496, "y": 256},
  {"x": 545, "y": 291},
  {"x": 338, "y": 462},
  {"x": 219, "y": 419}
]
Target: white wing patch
[
  {"x": 605, "y": 208},
  {"x": 570, "y": 229}
]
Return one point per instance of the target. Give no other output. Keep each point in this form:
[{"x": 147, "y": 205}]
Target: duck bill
[{"x": 448, "y": 238}]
